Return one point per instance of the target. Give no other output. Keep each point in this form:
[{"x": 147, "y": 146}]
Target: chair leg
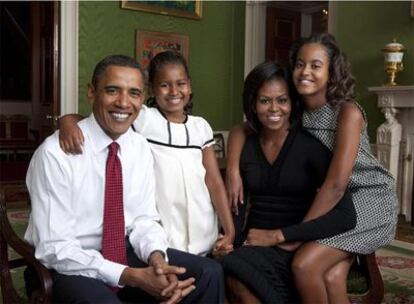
[
  {"x": 9, "y": 293},
  {"x": 375, "y": 292},
  {"x": 9, "y": 239}
]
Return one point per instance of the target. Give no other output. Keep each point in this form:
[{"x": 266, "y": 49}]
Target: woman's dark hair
[
  {"x": 341, "y": 83},
  {"x": 160, "y": 60},
  {"x": 261, "y": 74}
]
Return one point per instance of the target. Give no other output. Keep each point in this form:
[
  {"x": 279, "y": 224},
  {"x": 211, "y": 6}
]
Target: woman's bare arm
[{"x": 234, "y": 184}]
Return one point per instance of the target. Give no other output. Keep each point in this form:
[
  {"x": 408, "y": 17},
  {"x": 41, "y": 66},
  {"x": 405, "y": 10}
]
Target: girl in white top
[{"x": 189, "y": 186}]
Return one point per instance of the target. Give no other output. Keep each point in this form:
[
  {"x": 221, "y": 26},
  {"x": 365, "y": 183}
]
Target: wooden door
[
  {"x": 282, "y": 29},
  {"x": 29, "y": 81},
  {"x": 46, "y": 19}
]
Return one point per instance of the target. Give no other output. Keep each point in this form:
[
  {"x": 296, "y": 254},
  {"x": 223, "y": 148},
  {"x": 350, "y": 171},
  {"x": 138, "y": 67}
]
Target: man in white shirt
[{"x": 68, "y": 198}]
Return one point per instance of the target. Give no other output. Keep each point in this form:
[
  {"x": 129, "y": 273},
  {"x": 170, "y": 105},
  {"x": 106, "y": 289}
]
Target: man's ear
[{"x": 91, "y": 93}]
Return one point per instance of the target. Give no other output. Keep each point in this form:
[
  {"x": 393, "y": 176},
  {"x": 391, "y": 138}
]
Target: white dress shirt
[{"x": 67, "y": 194}]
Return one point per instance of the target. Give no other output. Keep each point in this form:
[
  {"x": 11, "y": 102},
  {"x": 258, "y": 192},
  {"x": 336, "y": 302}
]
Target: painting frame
[
  {"x": 167, "y": 8},
  {"x": 412, "y": 8},
  {"x": 150, "y": 43}
]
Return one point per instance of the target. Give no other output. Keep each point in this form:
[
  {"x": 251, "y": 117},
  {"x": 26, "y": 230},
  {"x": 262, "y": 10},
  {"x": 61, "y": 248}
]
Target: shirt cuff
[
  {"x": 164, "y": 255},
  {"x": 154, "y": 247},
  {"x": 110, "y": 273}
]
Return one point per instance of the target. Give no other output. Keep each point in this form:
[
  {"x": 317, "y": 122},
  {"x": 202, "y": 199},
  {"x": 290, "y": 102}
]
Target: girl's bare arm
[
  {"x": 350, "y": 125},
  {"x": 70, "y": 135},
  {"x": 217, "y": 192}
]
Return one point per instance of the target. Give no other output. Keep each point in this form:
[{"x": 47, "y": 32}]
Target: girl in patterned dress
[
  {"x": 321, "y": 74},
  {"x": 190, "y": 192}
]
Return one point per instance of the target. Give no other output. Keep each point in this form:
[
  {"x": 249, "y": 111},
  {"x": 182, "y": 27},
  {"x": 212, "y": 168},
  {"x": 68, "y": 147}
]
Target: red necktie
[{"x": 113, "y": 235}]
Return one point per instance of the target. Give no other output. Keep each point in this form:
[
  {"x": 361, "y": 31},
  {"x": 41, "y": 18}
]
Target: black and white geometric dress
[{"x": 371, "y": 185}]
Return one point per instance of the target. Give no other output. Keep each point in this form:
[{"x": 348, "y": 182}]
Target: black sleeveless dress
[{"x": 279, "y": 196}]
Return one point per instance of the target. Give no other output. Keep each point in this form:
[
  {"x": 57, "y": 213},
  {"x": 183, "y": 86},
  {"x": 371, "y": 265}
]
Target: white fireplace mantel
[
  {"x": 398, "y": 101},
  {"x": 394, "y": 96}
]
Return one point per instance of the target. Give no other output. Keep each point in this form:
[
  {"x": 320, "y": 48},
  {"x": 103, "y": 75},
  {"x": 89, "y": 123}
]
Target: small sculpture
[{"x": 388, "y": 141}]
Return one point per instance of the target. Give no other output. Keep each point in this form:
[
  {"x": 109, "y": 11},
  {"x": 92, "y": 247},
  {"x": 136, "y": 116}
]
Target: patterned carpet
[
  {"x": 396, "y": 265},
  {"x": 397, "y": 270}
]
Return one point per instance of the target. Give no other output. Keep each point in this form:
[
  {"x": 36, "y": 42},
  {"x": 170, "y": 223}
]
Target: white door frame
[{"x": 69, "y": 57}]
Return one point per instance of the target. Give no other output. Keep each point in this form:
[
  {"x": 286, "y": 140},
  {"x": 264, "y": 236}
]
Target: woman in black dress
[{"x": 282, "y": 167}]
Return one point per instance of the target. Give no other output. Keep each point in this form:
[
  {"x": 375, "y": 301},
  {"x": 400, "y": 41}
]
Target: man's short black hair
[{"x": 115, "y": 60}]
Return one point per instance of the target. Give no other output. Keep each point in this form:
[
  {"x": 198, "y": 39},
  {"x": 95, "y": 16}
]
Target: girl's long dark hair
[{"x": 341, "y": 83}]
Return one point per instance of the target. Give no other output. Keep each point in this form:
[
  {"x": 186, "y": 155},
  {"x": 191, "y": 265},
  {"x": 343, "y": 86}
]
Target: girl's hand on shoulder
[
  {"x": 70, "y": 135},
  {"x": 223, "y": 245}
]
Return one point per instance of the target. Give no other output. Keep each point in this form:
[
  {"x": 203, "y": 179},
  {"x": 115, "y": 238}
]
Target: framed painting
[
  {"x": 187, "y": 9},
  {"x": 412, "y": 8},
  {"x": 219, "y": 146},
  {"x": 149, "y": 44}
]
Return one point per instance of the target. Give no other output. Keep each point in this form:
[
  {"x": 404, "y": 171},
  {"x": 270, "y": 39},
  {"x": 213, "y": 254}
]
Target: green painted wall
[
  {"x": 216, "y": 52},
  {"x": 362, "y": 29}
]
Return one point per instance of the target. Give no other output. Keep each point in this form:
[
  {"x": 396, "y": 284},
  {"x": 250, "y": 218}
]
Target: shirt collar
[{"x": 100, "y": 140}]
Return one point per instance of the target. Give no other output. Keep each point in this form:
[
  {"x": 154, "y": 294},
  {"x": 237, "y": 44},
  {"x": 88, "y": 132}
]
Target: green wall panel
[
  {"x": 216, "y": 51},
  {"x": 362, "y": 29}
]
